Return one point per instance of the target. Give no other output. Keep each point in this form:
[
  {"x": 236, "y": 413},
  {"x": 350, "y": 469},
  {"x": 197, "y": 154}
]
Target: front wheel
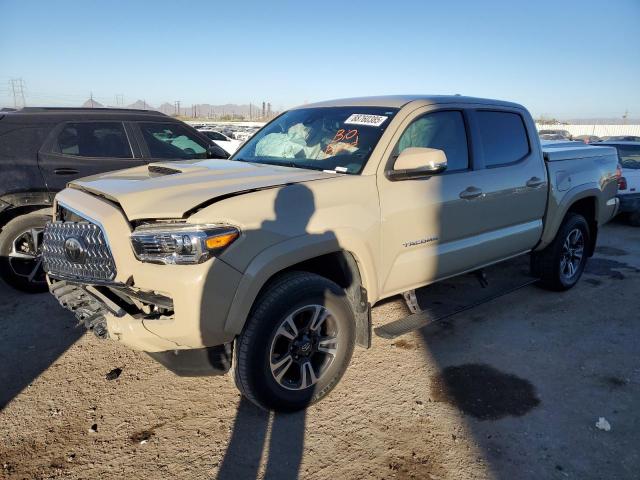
[
  {"x": 20, "y": 252},
  {"x": 296, "y": 344},
  {"x": 560, "y": 265}
]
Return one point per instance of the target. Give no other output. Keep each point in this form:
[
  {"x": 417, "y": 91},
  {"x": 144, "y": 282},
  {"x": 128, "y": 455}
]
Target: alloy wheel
[
  {"x": 304, "y": 347},
  {"x": 25, "y": 257},
  {"x": 572, "y": 254}
]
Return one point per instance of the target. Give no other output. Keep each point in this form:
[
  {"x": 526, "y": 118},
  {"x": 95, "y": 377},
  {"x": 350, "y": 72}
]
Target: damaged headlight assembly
[{"x": 181, "y": 244}]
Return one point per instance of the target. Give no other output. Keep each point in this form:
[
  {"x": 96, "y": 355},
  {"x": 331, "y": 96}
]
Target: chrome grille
[{"x": 77, "y": 250}]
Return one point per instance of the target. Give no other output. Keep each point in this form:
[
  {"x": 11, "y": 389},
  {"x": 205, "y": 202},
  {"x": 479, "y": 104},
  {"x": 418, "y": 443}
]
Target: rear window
[
  {"x": 94, "y": 139},
  {"x": 503, "y": 137},
  {"x": 629, "y": 156}
]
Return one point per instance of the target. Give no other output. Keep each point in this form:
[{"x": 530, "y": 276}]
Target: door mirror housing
[
  {"x": 216, "y": 152},
  {"x": 418, "y": 162}
]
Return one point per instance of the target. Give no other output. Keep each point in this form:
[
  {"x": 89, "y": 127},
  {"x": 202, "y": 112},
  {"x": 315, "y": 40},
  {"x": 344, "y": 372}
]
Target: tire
[
  {"x": 634, "y": 219},
  {"x": 552, "y": 263},
  {"x": 16, "y": 245},
  {"x": 264, "y": 344}
]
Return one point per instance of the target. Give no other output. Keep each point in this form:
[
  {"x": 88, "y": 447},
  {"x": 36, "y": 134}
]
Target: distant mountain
[
  {"x": 167, "y": 108},
  {"x": 91, "y": 104},
  {"x": 200, "y": 110},
  {"x": 141, "y": 105}
]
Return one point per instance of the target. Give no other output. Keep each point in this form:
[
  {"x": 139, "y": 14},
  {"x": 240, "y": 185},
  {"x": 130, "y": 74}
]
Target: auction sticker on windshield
[{"x": 363, "y": 119}]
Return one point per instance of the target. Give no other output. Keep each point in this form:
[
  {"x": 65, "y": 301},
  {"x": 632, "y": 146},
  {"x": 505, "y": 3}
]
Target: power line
[{"x": 17, "y": 89}]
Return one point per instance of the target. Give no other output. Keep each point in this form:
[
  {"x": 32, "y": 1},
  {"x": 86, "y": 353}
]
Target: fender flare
[
  {"x": 276, "y": 259},
  {"x": 557, "y": 212}
]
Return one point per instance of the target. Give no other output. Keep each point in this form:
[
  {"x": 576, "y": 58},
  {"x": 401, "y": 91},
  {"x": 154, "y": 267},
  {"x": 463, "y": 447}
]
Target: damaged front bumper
[{"x": 92, "y": 304}]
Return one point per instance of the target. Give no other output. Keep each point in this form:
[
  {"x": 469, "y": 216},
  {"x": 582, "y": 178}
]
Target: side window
[
  {"x": 171, "y": 140},
  {"x": 94, "y": 139},
  {"x": 442, "y": 130},
  {"x": 503, "y": 137}
]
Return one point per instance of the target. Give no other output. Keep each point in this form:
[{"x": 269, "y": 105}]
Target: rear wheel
[
  {"x": 297, "y": 343},
  {"x": 561, "y": 264},
  {"x": 20, "y": 252}
]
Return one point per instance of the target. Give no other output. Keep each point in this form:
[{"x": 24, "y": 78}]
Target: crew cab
[
  {"x": 271, "y": 261},
  {"x": 42, "y": 149}
]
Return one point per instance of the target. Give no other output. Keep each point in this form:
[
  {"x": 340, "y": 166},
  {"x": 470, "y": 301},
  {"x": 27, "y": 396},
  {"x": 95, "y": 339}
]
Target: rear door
[
  {"x": 513, "y": 179},
  {"x": 83, "y": 148}
]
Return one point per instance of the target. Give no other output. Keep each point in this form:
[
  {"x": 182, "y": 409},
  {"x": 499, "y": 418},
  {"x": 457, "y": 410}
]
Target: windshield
[{"x": 339, "y": 139}]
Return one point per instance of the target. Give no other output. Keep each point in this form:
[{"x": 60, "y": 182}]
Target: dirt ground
[{"x": 510, "y": 389}]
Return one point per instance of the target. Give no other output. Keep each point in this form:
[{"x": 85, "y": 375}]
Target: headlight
[{"x": 181, "y": 244}]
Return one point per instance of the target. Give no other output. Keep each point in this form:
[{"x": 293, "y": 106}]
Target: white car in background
[
  {"x": 629, "y": 184},
  {"x": 230, "y": 145}
]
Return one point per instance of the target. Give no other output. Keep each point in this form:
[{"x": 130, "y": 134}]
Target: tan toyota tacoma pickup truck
[{"x": 271, "y": 260}]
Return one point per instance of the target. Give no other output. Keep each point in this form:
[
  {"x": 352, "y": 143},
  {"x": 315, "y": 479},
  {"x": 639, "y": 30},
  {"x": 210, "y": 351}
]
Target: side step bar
[{"x": 423, "y": 318}]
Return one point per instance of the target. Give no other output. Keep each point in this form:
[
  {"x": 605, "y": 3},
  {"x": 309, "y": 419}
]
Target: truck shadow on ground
[
  {"x": 29, "y": 341},
  {"x": 248, "y": 441},
  {"x": 294, "y": 207}
]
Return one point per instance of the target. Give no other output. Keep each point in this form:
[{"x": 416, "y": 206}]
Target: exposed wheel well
[
  {"x": 340, "y": 267},
  {"x": 11, "y": 213},
  {"x": 587, "y": 208}
]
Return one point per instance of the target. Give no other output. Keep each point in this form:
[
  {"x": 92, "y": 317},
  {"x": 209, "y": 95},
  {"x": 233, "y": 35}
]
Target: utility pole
[
  {"x": 91, "y": 99},
  {"x": 17, "y": 88},
  {"x": 263, "y": 109},
  {"x": 625, "y": 116}
]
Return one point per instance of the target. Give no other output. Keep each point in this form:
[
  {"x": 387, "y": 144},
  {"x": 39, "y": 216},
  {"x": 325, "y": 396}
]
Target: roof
[
  {"x": 54, "y": 114},
  {"x": 399, "y": 101}
]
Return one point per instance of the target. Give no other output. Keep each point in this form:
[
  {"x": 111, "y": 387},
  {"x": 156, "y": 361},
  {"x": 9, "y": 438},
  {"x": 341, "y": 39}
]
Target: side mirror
[
  {"x": 418, "y": 162},
  {"x": 216, "y": 152}
]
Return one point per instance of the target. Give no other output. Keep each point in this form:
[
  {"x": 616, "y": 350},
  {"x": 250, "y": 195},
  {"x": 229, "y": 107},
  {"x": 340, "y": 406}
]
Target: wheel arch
[
  {"x": 582, "y": 200},
  {"x": 23, "y": 203},
  {"x": 322, "y": 256}
]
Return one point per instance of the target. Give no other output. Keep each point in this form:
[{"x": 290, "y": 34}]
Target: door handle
[
  {"x": 65, "y": 171},
  {"x": 470, "y": 193},
  {"x": 535, "y": 182}
]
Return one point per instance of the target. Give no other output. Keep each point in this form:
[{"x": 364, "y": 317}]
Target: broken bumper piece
[{"x": 86, "y": 305}]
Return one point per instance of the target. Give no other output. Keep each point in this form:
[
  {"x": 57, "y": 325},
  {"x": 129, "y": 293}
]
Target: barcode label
[{"x": 364, "y": 119}]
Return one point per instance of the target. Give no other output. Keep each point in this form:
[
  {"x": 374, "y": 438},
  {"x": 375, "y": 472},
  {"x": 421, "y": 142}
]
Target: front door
[{"x": 428, "y": 223}]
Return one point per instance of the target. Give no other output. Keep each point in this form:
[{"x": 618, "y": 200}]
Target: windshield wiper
[{"x": 278, "y": 164}]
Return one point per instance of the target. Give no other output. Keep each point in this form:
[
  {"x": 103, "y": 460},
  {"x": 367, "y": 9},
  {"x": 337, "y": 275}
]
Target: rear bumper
[{"x": 629, "y": 202}]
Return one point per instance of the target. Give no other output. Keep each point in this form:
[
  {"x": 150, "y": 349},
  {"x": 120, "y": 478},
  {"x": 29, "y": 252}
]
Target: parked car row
[{"x": 232, "y": 131}]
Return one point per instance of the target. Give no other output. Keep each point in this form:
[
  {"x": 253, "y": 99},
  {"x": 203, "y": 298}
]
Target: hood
[{"x": 169, "y": 189}]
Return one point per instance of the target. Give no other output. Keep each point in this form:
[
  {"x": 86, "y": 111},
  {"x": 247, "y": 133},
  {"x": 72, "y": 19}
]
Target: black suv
[{"x": 42, "y": 149}]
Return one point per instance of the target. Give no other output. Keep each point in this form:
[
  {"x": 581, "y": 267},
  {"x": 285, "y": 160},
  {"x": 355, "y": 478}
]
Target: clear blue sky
[{"x": 561, "y": 58}]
